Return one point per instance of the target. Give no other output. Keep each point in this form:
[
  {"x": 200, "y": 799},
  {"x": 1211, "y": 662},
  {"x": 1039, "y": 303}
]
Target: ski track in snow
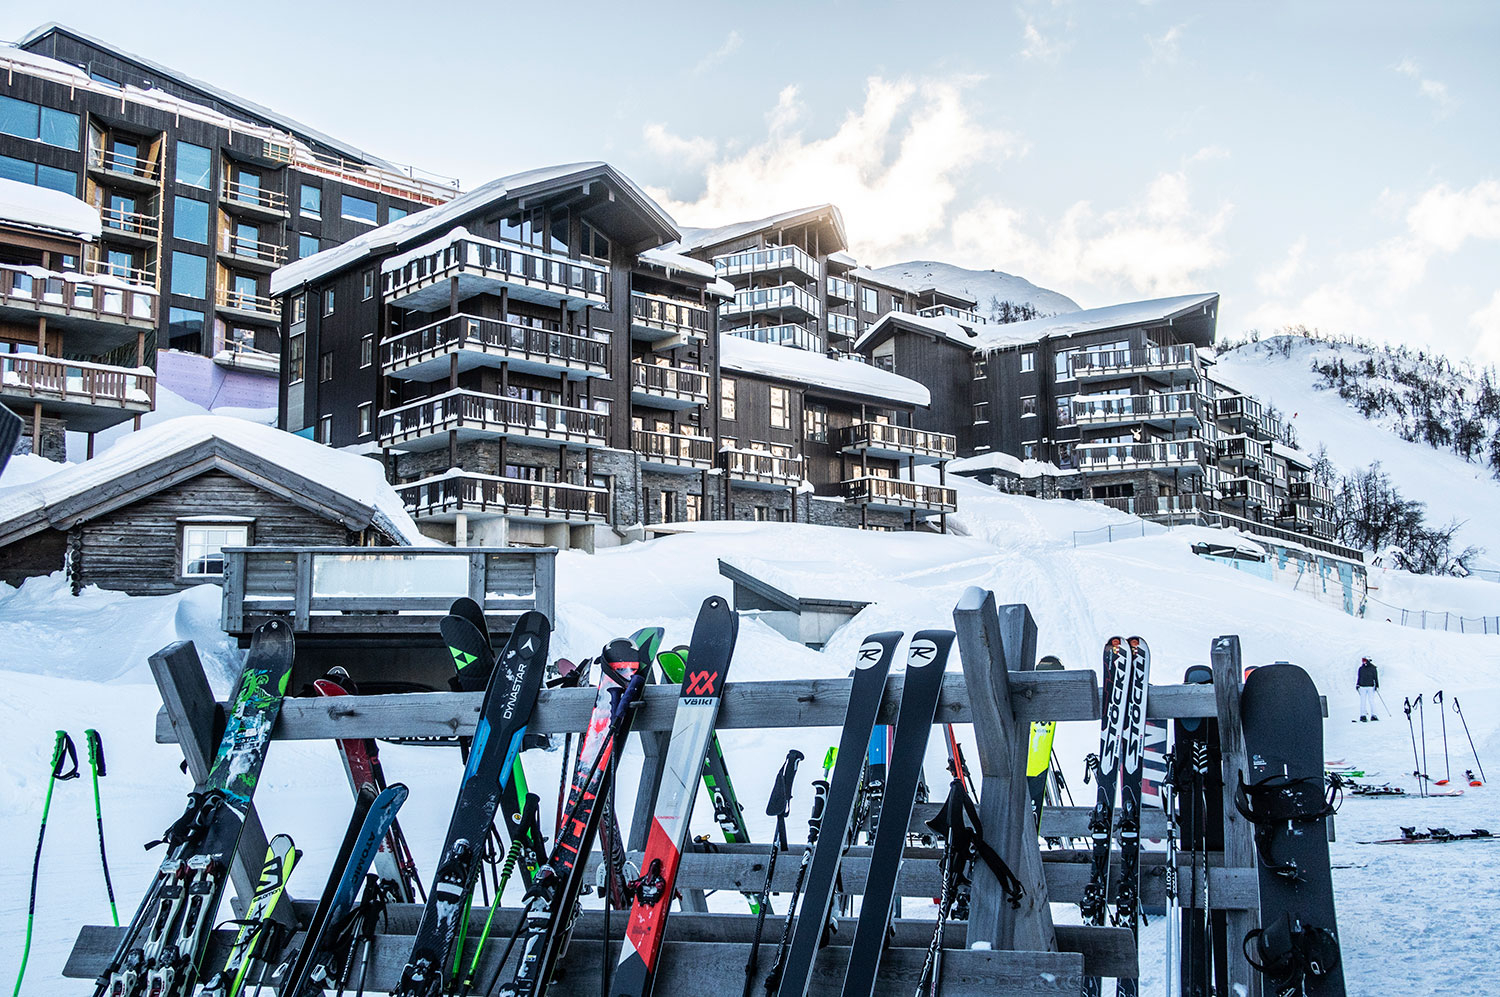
[{"x": 1411, "y": 917}]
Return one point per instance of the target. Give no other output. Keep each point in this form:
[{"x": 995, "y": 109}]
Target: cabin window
[
  {"x": 311, "y": 201},
  {"x": 299, "y": 309},
  {"x": 1028, "y": 405},
  {"x": 396, "y": 214},
  {"x": 325, "y": 429},
  {"x": 307, "y": 245},
  {"x": 366, "y": 351},
  {"x": 868, "y": 299},
  {"x": 203, "y": 546},
  {"x": 726, "y": 399},
  {"x": 781, "y": 408},
  {"x": 365, "y": 418},
  {"x": 325, "y": 366},
  {"x": 194, "y": 164},
  {"x": 816, "y": 418},
  {"x": 369, "y": 285},
  {"x": 328, "y": 302},
  {"x": 296, "y": 355},
  {"x": 694, "y": 508},
  {"x": 357, "y": 209},
  {"x": 1028, "y": 361}
]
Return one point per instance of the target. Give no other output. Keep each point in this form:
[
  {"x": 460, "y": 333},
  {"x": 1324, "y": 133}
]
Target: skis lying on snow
[
  {"x": 1433, "y": 836},
  {"x": 503, "y": 715},
  {"x": 164, "y": 945},
  {"x": 709, "y": 654}
]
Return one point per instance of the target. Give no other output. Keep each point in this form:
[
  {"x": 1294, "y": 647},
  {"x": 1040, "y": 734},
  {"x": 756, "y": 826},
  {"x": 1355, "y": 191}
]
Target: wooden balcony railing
[
  {"x": 495, "y": 415},
  {"x": 124, "y": 165},
  {"x": 763, "y": 466},
  {"x": 33, "y": 377},
  {"x": 1121, "y": 363},
  {"x": 1310, "y": 492},
  {"x": 771, "y": 259},
  {"x": 901, "y": 440},
  {"x": 677, "y": 383},
  {"x": 76, "y": 295},
  {"x": 461, "y": 491},
  {"x": 252, "y": 249},
  {"x": 522, "y": 267},
  {"x": 245, "y": 301},
  {"x": 236, "y": 192},
  {"x": 779, "y": 299},
  {"x": 668, "y": 315},
  {"x": 901, "y": 493},
  {"x": 133, "y": 223},
  {"x": 676, "y": 449},
  {"x": 1128, "y": 456},
  {"x": 503, "y": 340},
  {"x": 1175, "y": 405}
]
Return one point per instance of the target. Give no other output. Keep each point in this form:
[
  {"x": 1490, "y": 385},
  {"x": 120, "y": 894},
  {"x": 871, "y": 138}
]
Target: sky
[{"x": 1333, "y": 164}]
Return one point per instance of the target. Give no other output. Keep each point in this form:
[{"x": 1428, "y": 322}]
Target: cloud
[
  {"x": 1431, "y": 89},
  {"x": 731, "y": 45},
  {"x": 1165, "y": 48},
  {"x": 1277, "y": 279},
  {"x": 1487, "y": 321},
  {"x": 1209, "y": 153},
  {"x": 674, "y": 147}
]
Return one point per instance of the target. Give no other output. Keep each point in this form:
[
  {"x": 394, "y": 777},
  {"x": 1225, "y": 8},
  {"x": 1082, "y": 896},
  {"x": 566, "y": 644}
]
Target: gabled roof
[
  {"x": 406, "y": 231},
  {"x": 36, "y": 207},
  {"x": 698, "y": 239},
  {"x": 784, "y": 363},
  {"x": 340, "y": 486},
  {"x": 937, "y": 326}
]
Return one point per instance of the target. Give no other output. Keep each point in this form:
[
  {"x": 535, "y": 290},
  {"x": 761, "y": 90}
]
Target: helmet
[{"x": 1366, "y": 661}]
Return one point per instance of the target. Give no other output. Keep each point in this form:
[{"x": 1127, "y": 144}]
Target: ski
[
  {"x": 503, "y": 715},
  {"x": 549, "y": 913},
  {"x": 1433, "y": 836},
  {"x": 709, "y": 656},
  {"x": 319, "y": 963},
  {"x": 1106, "y": 773},
  {"x": 1039, "y": 753},
  {"x": 165, "y": 942},
  {"x": 1132, "y": 758},
  {"x": 252, "y": 943},
  {"x": 927, "y": 659},
  {"x": 865, "y": 694}
]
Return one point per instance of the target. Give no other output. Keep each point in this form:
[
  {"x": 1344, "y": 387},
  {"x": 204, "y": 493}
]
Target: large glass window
[
  {"x": 18, "y": 117},
  {"x": 357, "y": 209},
  {"x": 203, "y": 547},
  {"x": 56, "y": 179},
  {"x": 184, "y": 324},
  {"x": 245, "y": 291},
  {"x": 395, "y": 214},
  {"x": 781, "y": 408},
  {"x": 121, "y": 262},
  {"x": 307, "y": 245},
  {"x": 816, "y": 420},
  {"x": 189, "y": 275},
  {"x": 194, "y": 165},
  {"x": 726, "y": 399},
  {"x": 312, "y": 201},
  {"x": 296, "y": 358},
  {"x": 17, "y": 169},
  {"x": 868, "y": 300},
  {"x": 190, "y": 219},
  {"x": 59, "y": 128}
]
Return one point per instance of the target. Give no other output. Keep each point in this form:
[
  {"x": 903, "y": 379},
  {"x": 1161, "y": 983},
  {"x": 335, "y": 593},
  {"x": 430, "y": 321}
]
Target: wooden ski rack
[{"x": 999, "y": 949}]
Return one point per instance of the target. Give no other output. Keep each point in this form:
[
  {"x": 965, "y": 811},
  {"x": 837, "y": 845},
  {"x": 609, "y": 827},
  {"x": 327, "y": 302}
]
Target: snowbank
[
  {"x": 24, "y": 468},
  {"x": 40, "y": 207},
  {"x": 806, "y": 367}
]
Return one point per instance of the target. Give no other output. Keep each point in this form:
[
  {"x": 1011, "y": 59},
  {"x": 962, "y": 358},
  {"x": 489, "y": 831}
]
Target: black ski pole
[
  {"x": 1461, "y": 720},
  {"x": 96, "y": 767},
  {"x": 814, "y": 825},
  {"x": 1422, "y": 726},
  {"x": 1447, "y": 771},
  {"x": 62, "y": 747},
  {"x": 1416, "y": 762},
  {"x": 778, "y": 806},
  {"x": 1382, "y": 701}
]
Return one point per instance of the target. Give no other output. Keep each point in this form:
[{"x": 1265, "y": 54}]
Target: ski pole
[
  {"x": 96, "y": 767},
  {"x": 1422, "y": 725},
  {"x": 1382, "y": 701},
  {"x": 62, "y": 746},
  {"x": 814, "y": 825},
  {"x": 1447, "y": 772},
  {"x": 1406, "y": 706},
  {"x": 1469, "y": 736},
  {"x": 778, "y": 806}
]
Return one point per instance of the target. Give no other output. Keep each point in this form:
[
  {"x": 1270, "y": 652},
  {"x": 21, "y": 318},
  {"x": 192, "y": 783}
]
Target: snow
[
  {"x": 169, "y": 405},
  {"x": 997, "y": 460},
  {"x": 670, "y": 261},
  {"x": 24, "y": 468},
  {"x": 360, "y": 479},
  {"x": 1019, "y": 547},
  {"x": 1121, "y": 316},
  {"x": 981, "y": 285},
  {"x": 39, "y": 207},
  {"x": 807, "y": 367},
  {"x": 1452, "y": 488},
  {"x": 694, "y": 239},
  {"x": 941, "y": 325}
]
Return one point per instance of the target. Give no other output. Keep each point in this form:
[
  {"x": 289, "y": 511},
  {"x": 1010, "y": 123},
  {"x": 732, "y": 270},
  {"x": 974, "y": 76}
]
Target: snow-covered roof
[
  {"x": 1132, "y": 313},
  {"x": 1292, "y": 454},
  {"x": 436, "y": 219},
  {"x": 806, "y": 367},
  {"x": 867, "y": 276},
  {"x": 694, "y": 239},
  {"x": 358, "y": 481},
  {"x": 996, "y": 460},
  {"x": 843, "y": 259},
  {"x": 43, "y": 208},
  {"x": 941, "y": 325},
  {"x": 670, "y": 261}
]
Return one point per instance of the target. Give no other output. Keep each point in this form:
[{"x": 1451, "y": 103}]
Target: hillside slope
[
  {"x": 985, "y": 286},
  {"x": 1452, "y": 488}
]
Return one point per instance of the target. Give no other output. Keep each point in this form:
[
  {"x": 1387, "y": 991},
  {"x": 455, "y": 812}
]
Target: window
[
  {"x": 325, "y": 366},
  {"x": 395, "y": 214},
  {"x": 981, "y": 368},
  {"x": 194, "y": 165},
  {"x": 694, "y": 508},
  {"x": 1028, "y": 451},
  {"x": 366, "y": 414},
  {"x": 39, "y": 176},
  {"x": 1064, "y": 362},
  {"x": 762, "y": 514},
  {"x": 307, "y": 245},
  {"x": 299, "y": 309},
  {"x": 19, "y": 117},
  {"x": 312, "y": 201},
  {"x": 189, "y": 275},
  {"x": 296, "y": 358},
  {"x": 366, "y": 351},
  {"x": 593, "y": 243},
  {"x": 1028, "y": 361},
  {"x": 246, "y": 293},
  {"x": 325, "y": 429},
  {"x": 868, "y": 300},
  {"x": 184, "y": 324},
  {"x": 242, "y": 339},
  {"x": 59, "y": 128},
  {"x": 27, "y": 120},
  {"x": 981, "y": 412},
  {"x": 357, "y": 209},
  {"x": 203, "y": 547},
  {"x": 816, "y": 420},
  {"x": 247, "y": 239},
  {"x": 666, "y": 506},
  {"x": 1028, "y": 405},
  {"x": 121, "y": 263},
  {"x": 369, "y": 285},
  {"x": 190, "y": 220},
  {"x": 781, "y": 408},
  {"x": 726, "y": 399},
  {"x": 328, "y": 302},
  {"x": 1065, "y": 410}
]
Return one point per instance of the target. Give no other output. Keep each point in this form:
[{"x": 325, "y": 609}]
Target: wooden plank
[
  {"x": 996, "y": 646},
  {"x": 1057, "y": 822},
  {"x": 1239, "y": 833},
  {"x": 1063, "y": 695},
  {"x": 1170, "y": 702},
  {"x": 302, "y": 604},
  {"x": 189, "y": 706},
  {"x": 545, "y": 569}
]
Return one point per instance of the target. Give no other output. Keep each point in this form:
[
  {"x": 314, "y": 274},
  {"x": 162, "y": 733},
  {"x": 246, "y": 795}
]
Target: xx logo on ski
[{"x": 699, "y": 684}]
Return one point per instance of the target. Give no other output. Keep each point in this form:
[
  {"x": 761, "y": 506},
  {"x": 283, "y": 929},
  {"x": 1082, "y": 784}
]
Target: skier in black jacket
[{"x": 1367, "y": 681}]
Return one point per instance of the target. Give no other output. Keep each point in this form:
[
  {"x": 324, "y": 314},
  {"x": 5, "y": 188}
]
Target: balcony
[
  {"x": 1171, "y": 364},
  {"x": 131, "y": 226},
  {"x": 1241, "y": 451},
  {"x": 948, "y": 311},
  {"x": 1247, "y": 492},
  {"x": 897, "y": 493},
  {"x": 145, "y": 276},
  {"x": 240, "y": 356},
  {"x": 841, "y": 290},
  {"x": 672, "y": 451},
  {"x": 1138, "y": 456},
  {"x": 1189, "y": 505},
  {"x": 1301, "y": 519},
  {"x": 661, "y": 386},
  {"x": 442, "y": 498},
  {"x": 784, "y": 300},
  {"x": 1166, "y": 409},
  {"x": 1244, "y": 414},
  {"x": 251, "y": 252},
  {"x": 783, "y": 260},
  {"x": 473, "y": 415},
  {"x": 122, "y": 168},
  {"x": 797, "y": 336},
  {"x": 654, "y": 319},
  {"x": 101, "y": 307},
  {"x": 426, "y": 354},
  {"x": 846, "y": 326},
  {"x": 1311, "y": 493},
  {"x": 762, "y": 469},
  {"x": 238, "y": 197},
  {"x": 879, "y": 439},
  {"x": 90, "y": 396},
  {"x": 421, "y": 283},
  {"x": 248, "y": 306}
]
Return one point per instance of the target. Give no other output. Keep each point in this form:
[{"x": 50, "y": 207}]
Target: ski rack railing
[{"x": 998, "y": 691}]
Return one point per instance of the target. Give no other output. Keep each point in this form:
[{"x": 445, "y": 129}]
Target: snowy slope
[
  {"x": 981, "y": 285},
  {"x": 1452, "y": 488},
  {"x": 1019, "y": 547}
]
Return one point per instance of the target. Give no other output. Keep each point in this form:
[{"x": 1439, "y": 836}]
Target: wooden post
[
  {"x": 987, "y": 645},
  {"x": 1239, "y": 834},
  {"x": 190, "y": 707}
]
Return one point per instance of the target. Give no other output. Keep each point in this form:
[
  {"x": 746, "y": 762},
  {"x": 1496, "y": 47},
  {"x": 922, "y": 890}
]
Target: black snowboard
[{"x": 1283, "y": 794}]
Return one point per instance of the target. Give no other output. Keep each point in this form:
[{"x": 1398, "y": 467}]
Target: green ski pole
[
  {"x": 61, "y": 747},
  {"x": 96, "y": 767}
]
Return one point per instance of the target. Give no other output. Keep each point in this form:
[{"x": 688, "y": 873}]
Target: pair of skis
[{"x": 1127, "y": 665}]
